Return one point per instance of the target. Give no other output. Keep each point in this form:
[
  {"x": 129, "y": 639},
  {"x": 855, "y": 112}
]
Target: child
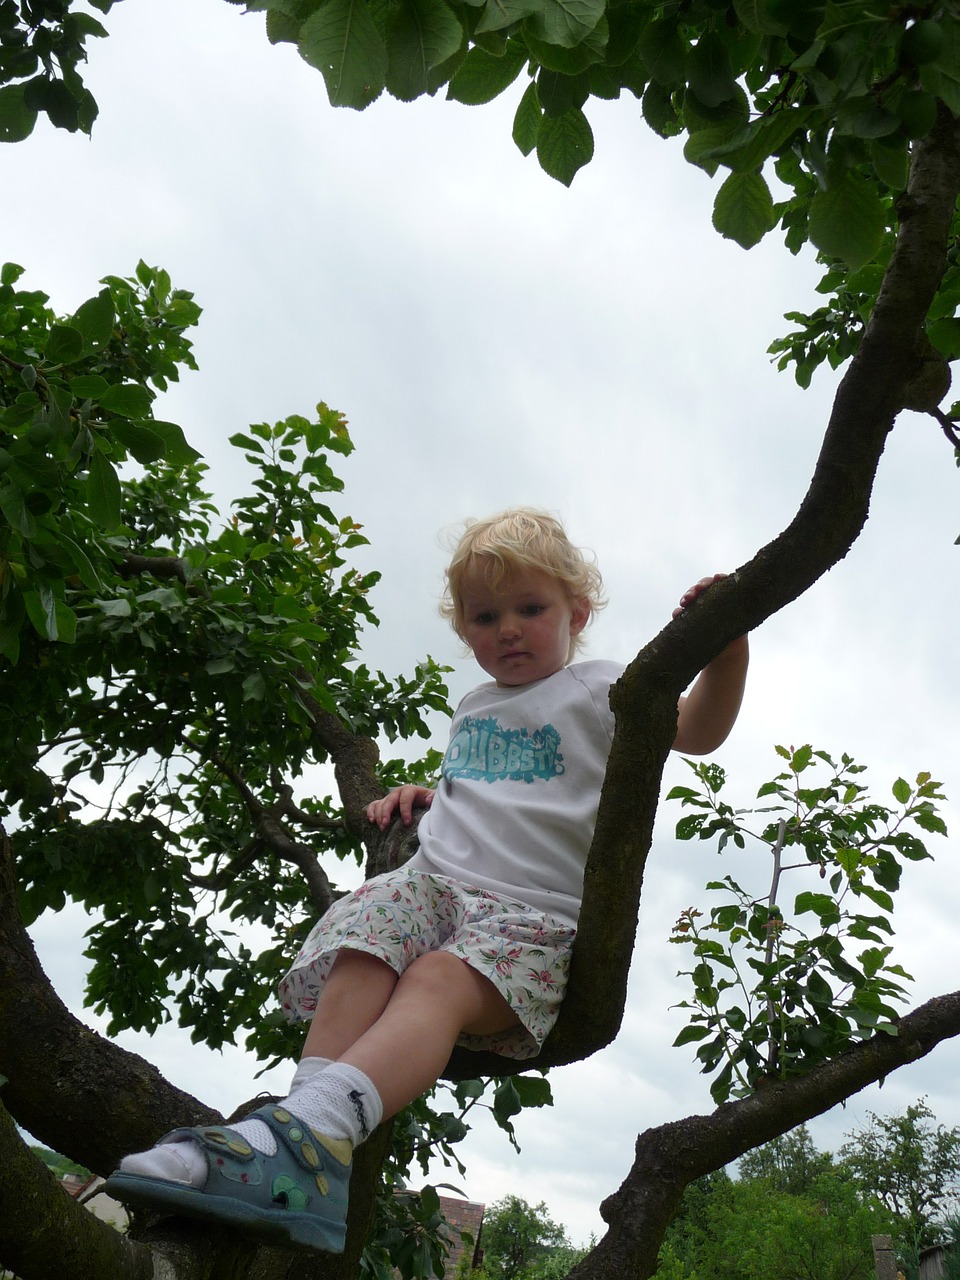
[{"x": 469, "y": 942}]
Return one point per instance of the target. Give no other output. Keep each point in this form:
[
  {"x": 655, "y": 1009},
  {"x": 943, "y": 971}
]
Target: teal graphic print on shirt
[{"x": 483, "y": 749}]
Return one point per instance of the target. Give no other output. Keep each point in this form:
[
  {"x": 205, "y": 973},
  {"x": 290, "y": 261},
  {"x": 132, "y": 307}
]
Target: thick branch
[
  {"x": 45, "y": 1234},
  {"x": 60, "y": 1072},
  {"x": 826, "y": 526},
  {"x": 354, "y": 765},
  {"x": 673, "y": 1155},
  {"x": 132, "y": 565}
]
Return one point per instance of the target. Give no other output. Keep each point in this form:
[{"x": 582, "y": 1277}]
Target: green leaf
[
  {"x": 663, "y": 52},
  {"x": 756, "y": 16},
  {"x": 743, "y": 210},
  {"x": 421, "y": 35},
  {"x": 821, "y": 904},
  {"x": 564, "y": 145},
  {"x": 64, "y": 344},
  {"x": 80, "y": 562},
  {"x": 565, "y": 22},
  {"x": 569, "y": 62},
  {"x": 902, "y": 790},
  {"x": 848, "y": 220},
  {"x": 41, "y": 610},
  {"x": 891, "y": 161},
  {"x": 483, "y": 76},
  {"x": 88, "y": 385},
  {"x": 103, "y": 492},
  {"x": 498, "y": 14},
  {"x": 50, "y": 617},
  {"x": 558, "y": 93},
  {"x": 282, "y": 28},
  {"x": 711, "y": 71},
  {"x": 707, "y": 146},
  {"x": 690, "y": 1034},
  {"x": 942, "y": 76},
  {"x": 145, "y": 444},
  {"x": 506, "y": 1102},
  {"x": 129, "y": 399},
  {"x": 16, "y": 511},
  {"x": 526, "y": 122},
  {"x": 178, "y": 452},
  {"x": 16, "y": 118},
  {"x": 254, "y": 687},
  {"x": 659, "y": 111},
  {"x": 94, "y": 320},
  {"x": 342, "y": 41},
  {"x": 533, "y": 1091}
]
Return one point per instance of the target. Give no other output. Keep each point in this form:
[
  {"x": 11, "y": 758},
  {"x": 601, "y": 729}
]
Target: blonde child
[{"x": 469, "y": 942}]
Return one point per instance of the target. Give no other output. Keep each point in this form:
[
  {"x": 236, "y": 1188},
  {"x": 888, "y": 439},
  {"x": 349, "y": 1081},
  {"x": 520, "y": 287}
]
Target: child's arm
[
  {"x": 708, "y": 712},
  {"x": 406, "y": 799}
]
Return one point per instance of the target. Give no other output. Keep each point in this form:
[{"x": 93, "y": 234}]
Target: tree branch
[
  {"x": 59, "y": 1073},
  {"x": 271, "y": 832},
  {"x": 827, "y": 524},
  {"x": 45, "y": 1234},
  {"x": 671, "y": 1156},
  {"x": 132, "y": 565}
]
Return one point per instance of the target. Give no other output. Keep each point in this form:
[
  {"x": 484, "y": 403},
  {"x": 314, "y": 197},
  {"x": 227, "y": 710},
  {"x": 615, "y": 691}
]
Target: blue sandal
[{"x": 297, "y": 1196}]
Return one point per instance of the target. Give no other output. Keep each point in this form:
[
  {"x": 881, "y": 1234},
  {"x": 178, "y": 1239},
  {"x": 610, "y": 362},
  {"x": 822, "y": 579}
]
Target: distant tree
[
  {"x": 60, "y": 1165},
  {"x": 750, "y": 1229},
  {"x": 790, "y": 1163},
  {"x": 912, "y": 1165},
  {"x": 951, "y": 1269},
  {"x": 557, "y": 1263},
  {"x": 518, "y": 1237}
]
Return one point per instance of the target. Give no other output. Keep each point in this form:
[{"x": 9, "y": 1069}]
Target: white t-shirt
[{"x": 517, "y": 802}]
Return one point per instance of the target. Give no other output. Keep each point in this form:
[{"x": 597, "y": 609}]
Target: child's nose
[{"x": 509, "y": 625}]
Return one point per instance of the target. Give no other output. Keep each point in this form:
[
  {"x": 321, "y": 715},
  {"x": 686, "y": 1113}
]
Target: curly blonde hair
[{"x": 523, "y": 538}]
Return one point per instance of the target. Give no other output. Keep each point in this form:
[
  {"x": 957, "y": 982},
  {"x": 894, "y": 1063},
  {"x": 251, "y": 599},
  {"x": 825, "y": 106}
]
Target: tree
[
  {"x": 768, "y": 1226},
  {"x": 518, "y": 1238},
  {"x": 912, "y": 1165},
  {"x": 841, "y": 100},
  {"x": 790, "y": 1163}
]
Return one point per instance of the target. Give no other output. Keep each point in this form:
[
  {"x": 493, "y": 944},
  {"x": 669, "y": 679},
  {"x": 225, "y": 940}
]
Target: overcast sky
[{"x": 493, "y": 339}]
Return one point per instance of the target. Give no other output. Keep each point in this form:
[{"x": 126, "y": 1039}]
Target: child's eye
[
  {"x": 531, "y": 610},
  {"x": 484, "y": 619}
]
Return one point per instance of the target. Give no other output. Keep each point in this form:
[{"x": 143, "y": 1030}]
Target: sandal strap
[
  {"x": 301, "y": 1140},
  {"x": 298, "y": 1138}
]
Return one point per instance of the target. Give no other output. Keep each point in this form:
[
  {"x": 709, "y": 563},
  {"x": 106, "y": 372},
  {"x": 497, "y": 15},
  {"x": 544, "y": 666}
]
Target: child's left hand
[{"x": 698, "y": 588}]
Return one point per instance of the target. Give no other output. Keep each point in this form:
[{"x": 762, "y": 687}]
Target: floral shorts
[{"x": 403, "y": 914}]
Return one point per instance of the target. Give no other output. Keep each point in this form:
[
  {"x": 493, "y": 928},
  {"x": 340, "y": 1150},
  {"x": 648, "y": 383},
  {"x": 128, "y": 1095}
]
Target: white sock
[
  {"x": 184, "y": 1161},
  {"x": 341, "y": 1102}
]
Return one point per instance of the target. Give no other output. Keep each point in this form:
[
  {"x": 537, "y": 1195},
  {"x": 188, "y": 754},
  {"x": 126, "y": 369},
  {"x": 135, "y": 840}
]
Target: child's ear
[{"x": 580, "y": 616}]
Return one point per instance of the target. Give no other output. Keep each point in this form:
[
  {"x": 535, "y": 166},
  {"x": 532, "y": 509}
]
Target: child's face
[{"x": 520, "y": 631}]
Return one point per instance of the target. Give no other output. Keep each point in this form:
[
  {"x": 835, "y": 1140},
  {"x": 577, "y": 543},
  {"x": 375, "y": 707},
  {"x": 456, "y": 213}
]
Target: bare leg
[
  {"x": 357, "y": 991},
  {"x": 406, "y": 1048}
]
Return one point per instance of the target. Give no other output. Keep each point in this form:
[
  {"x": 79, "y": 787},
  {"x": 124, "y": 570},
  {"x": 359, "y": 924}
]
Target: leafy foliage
[
  {"x": 751, "y": 1229},
  {"x": 165, "y": 674},
  {"x": 825, "y": 97},
  {"x": 163, "y": 679},
  {"x": 808, "y": 111},
  {"x": 42, "y": 46},
  {"x": 790, "y": 1163},
  {"x": 912, "y": 1164},
  {"x": 76, "y": 400},
  {"x": 521, "y": 1240},
  {"x": 772, "y": 999}
]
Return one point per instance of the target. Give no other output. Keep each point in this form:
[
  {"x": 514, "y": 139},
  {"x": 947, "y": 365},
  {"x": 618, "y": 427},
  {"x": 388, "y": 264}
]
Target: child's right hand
[{"x": 406, "y": 799}]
